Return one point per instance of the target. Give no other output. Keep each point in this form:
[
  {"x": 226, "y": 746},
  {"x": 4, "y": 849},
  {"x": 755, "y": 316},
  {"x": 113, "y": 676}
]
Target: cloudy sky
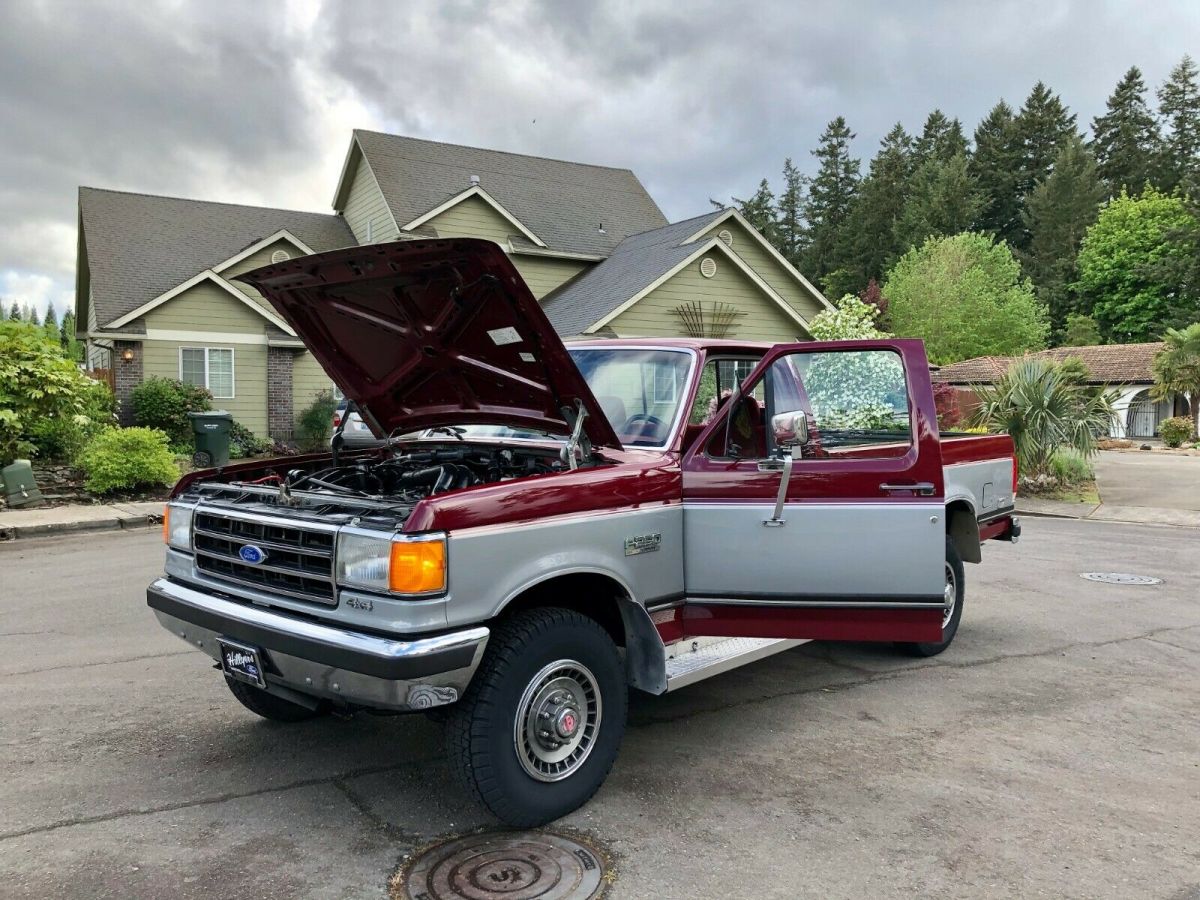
[{"x": 254, "y": 102}]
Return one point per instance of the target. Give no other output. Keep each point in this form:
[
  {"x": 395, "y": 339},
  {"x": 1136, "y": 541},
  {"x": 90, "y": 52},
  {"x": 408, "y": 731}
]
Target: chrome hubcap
[
  {"x": 951, "y": 596},
  {"x": 557, "y": 720}
]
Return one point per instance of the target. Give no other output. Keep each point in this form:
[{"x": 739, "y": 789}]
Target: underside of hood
[{"x": 433, "y": 332}]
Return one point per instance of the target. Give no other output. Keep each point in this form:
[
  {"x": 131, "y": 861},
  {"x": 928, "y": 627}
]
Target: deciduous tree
[
  {"x": 1177, "y": 369},
  {"x": 1129, "y": 263},
  {"x": 1080, "y": 331},
  {"x": 965, "y": 296}
]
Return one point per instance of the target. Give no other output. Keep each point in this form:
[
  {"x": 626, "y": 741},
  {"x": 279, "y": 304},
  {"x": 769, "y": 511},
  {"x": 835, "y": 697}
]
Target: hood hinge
[{"x": 578, "y": 448}]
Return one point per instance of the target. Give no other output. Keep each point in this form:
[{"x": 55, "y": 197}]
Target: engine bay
[{"x": 379, "y": 487}]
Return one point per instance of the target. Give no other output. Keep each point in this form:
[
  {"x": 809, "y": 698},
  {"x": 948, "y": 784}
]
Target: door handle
[
  {"x": 924, "y": 488},
  {"x": 771, "y": 464}
]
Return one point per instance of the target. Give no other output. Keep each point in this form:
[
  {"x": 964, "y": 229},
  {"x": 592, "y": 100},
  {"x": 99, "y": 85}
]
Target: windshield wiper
[{"x": 454, "y": 430}]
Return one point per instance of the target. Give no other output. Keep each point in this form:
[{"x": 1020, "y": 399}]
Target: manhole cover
[
  {"x": 1119, "y": 578},
  {"x": 509, "y": 866}
]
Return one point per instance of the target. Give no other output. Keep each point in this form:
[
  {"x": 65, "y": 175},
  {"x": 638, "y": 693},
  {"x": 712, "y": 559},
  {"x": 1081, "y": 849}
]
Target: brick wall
[
  {"x": 279, "y": 393},
  {"x": 127, "y": 376}
]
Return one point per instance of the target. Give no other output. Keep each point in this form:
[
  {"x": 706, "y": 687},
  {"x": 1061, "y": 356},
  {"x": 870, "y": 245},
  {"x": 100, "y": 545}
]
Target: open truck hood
[{"x": 433, "y": 332}]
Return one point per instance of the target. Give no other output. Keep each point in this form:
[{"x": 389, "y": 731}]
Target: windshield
[{"x": 639, "y": 390}]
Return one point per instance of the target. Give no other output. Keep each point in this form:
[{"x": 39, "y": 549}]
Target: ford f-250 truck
[{"x": 551, "y": 524}]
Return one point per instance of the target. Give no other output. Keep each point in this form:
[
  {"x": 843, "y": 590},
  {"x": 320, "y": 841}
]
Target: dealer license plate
[{"x": 242, "y": 662}]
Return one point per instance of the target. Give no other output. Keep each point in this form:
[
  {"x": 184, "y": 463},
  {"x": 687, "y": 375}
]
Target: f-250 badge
[{"x": 642, "y": 543}]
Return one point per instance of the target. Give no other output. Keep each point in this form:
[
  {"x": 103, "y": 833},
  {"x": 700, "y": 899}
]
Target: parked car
[
  {"x": 356, "y": 432},
  {"x": 672, "y": 509}
]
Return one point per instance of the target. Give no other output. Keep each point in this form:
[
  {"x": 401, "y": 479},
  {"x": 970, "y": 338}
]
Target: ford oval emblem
[{"x": 251, "y": 554}]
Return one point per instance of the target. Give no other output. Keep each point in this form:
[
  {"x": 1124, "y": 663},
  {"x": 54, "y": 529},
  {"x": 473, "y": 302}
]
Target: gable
[
  {"x": 365, "y": 209},
  {"x": 473, "y": 217},
  {"x": 205, "y": 306},
  {"x": 769, "y": 269},
  {"x": 544, "y": 274},
  {"x": 257, "y": 260},
  {"x": 655, "y": 315}
]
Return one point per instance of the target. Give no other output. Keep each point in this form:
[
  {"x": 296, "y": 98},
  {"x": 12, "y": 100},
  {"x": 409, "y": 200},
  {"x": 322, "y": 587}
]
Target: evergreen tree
[
  {"x": 30, "y": 315},
  {"x": 941, "y": 139},
  {"x": 1179, "y": 106},
  {"x": 944, "y": 199},
  {"x": 1059, "y": 212},
  {"x": 14, "y": 312},
  {"x": 996, "y": 167},
  {"x": 830, "y": 197},
  {"x": 868, "y": 242},
  {"x": 66, "y": 332},
  {"x": 50, "y": 323},
  {"x": 790, "y": 214},
  {"x": 1043, "y": 125},
  {"x": 759, "y": 211},
  {"x": 1125, "y": 139}
]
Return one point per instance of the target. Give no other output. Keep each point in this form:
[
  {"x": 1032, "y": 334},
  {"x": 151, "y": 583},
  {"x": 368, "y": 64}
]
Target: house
[
  {"x": 1122, "y": 368},
  {"x": 155, "y": 295}
]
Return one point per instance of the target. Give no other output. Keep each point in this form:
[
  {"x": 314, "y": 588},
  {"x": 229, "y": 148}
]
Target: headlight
[
  {"x": 177, "y": 526},
  {"x": 394, "y": 564}
]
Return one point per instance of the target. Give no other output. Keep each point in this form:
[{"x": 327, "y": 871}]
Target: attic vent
[
  {"x": 708, "y": 267},
  {"x": 474, "y": 179},
  {"x": 727, "y": 236},
  {"x": 280, "y": 256},
  {"x": 713, "y": 320}
]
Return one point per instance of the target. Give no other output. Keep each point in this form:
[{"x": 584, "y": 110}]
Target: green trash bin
[{"x": 210, "y": 431}]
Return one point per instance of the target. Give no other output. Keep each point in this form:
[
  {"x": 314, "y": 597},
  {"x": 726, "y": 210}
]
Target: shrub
[
  {"x": 63, "y": 437},
  {"x": 1175, "y": 431},
  {"x": 315, "y": 427},
  {"x": 243, "y": 442},
  {"x": 1070, "y": 467},
  {"x": 122, "y": 458},
  {"x": 36, "y": 382},
  {"x": 164, "y": 403}
]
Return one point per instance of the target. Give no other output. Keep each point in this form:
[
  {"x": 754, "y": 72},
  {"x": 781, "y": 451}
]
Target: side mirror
[{"x": 790, "y": 429}]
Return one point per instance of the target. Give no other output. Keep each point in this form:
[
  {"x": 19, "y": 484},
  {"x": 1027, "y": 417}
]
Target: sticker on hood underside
[{"x": 502, "y": 336}]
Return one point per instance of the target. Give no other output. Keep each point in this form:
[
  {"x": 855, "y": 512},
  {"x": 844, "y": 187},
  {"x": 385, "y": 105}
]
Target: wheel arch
[
  {"x": 962, "y": 527},
  {"x": 608, "y": 601}
]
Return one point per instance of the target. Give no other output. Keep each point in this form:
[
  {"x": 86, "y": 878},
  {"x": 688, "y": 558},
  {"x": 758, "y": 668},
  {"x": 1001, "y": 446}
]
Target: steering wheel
[{"x": 637, "y": 418}]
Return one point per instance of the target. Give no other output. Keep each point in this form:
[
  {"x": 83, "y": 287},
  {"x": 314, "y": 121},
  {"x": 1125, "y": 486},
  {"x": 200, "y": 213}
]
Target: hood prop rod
[{"x": 578, "y": 448}]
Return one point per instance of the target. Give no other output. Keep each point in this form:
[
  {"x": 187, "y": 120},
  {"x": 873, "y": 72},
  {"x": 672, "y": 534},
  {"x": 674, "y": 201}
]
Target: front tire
[
  {"x": 267, "y": 705},
  {"x": 955, "y": 593},
  {"x": 538, "y": 729}
]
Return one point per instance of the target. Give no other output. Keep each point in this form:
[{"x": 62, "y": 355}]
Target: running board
[{"x": 689, "y": 667}]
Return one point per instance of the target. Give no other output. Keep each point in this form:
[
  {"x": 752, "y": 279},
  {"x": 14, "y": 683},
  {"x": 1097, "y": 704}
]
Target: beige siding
[
  {"x": 544, "y": 274},
  {"x": 249, "y": 404},
  {"x": 365, "y": 203},
  {"x": 257, "y": 261},
  {"x": 654, "y": 315},
  {"x": 206, "y": 307},
  {"x": 769, "y": 269},
  {"x": 308, "y": 380},
  {"x": 474, "y": 217}
]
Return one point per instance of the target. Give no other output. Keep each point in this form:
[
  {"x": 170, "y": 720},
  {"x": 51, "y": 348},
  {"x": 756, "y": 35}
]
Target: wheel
[
  {"x": 955, "y": 592},
  {"x": 269, "y": 706},
  {"x": 538, "y": 729},
  {"x": 201, "y": 459}
]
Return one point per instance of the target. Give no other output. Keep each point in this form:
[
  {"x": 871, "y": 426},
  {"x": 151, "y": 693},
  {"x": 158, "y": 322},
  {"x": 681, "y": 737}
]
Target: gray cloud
[{"x": 253, "y": 102}]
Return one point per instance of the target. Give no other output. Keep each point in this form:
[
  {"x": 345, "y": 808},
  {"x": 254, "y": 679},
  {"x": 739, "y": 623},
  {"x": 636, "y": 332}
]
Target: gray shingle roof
[
  {"x": 563, "y": 203},
  {"x": 140, "y": 245},
  {"x": 637, "y": 262}
]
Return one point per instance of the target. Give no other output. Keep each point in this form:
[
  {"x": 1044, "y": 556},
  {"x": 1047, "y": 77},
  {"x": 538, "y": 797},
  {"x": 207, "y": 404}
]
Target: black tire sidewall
[
  {"x": 527, "y": 801},
  {"x": 933, "y": 648}
]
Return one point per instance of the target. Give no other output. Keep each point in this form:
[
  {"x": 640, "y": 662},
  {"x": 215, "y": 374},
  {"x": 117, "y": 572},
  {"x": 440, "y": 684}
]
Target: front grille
[{"x": 298, "y": 561}]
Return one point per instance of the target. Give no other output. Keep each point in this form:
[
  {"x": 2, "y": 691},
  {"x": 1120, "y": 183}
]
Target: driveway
[
  {"x": 1053, "y": 751},
  {"x": 1148, "y": 479}
]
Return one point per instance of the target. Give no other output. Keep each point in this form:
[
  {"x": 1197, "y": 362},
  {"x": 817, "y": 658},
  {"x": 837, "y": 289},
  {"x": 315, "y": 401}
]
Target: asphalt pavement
[{"x": 1054, "y": 750}]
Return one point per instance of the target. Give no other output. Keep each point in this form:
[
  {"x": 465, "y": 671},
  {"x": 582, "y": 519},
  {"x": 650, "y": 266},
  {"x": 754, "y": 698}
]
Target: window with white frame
[{"x": 208, "y": 367}]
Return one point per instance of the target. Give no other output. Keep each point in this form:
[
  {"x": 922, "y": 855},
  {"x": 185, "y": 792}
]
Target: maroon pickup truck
[{"x": 550, "y": 524}]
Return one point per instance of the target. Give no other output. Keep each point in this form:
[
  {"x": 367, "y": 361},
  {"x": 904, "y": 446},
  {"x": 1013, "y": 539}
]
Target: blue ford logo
[{"x": 253, "y": 555}]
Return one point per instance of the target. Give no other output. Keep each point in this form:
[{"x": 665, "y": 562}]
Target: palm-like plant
[
  {"x": 1177, "y": 368},
  {"x": 1044, "y": 407}
]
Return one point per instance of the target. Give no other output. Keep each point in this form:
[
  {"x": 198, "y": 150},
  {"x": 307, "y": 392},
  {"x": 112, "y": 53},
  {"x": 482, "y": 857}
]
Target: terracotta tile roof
[{"x": 1106, "y": 364}]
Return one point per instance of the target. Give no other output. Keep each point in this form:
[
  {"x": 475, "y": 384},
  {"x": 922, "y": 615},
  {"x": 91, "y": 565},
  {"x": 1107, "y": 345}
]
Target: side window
[
  {"x": 719, "y": 379},
  {"x": 856, "y": 400}
]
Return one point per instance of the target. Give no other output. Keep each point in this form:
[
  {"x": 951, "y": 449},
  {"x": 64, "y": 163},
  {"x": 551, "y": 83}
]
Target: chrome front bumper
[{"x": 316, "y": 660}]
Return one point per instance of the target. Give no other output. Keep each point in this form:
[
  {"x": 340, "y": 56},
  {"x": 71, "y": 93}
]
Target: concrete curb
[{"x": 16, "y": 524}]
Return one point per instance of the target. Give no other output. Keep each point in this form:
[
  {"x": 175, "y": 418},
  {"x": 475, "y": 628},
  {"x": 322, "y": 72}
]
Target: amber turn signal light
[
  {"x": 417, "y": 567},
  {"x": 167, "y": 523}
]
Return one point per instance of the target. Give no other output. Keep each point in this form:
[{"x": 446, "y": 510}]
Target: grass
[{"x": 1081, "y": 492}]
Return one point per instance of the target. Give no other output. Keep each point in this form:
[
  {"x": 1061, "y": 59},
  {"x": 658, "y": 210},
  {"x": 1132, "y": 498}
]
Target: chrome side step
[{"x": 687, "y": 667}]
